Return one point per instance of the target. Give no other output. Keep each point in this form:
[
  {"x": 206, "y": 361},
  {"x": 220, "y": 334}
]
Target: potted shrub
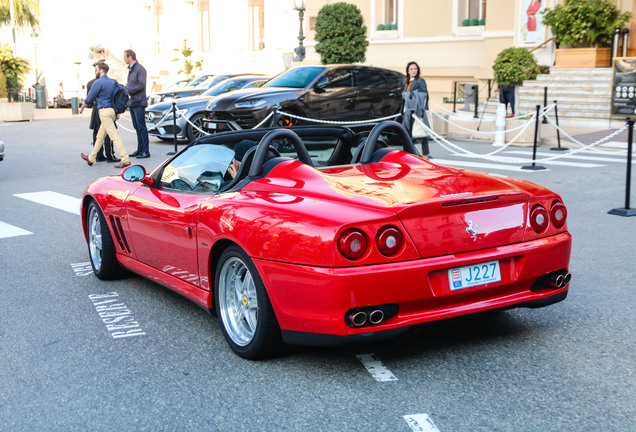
[
  {"x": 512, "y": 66},
  {"x": 583, "y": 30}
]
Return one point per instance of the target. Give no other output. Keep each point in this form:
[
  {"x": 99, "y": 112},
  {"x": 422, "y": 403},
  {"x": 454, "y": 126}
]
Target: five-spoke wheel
[{"x": 243, "y": 307}]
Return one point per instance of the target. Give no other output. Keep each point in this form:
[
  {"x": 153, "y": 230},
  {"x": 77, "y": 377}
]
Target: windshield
[
  {"x": 195, "y": 82},
  {"x": 225, "y": 86},
  {"x": 198, "y": 169},
  {"x": 295, "y": 78}
]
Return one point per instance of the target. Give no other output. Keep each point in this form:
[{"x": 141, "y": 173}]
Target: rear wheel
[
  {"x": 243, "y": 307},
  {"x": 101, "y": 248}
]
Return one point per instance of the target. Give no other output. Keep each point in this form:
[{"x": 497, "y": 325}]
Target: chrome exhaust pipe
[
  {"x": 376, "y": 316},
  {"x": 566, "y": 279},
  {"x": 357, "y": 319},
  {"x": 556, "y": 280}
]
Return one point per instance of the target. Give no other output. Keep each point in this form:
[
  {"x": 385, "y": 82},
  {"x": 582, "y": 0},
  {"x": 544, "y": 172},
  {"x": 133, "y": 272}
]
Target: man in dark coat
[
  {"x": 95, "y": 123},
  {"x": 137, "y": 104}
]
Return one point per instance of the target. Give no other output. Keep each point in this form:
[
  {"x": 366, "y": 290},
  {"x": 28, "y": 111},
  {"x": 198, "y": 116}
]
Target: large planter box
[
  {"x": 16, "y": 111},
  {"x": 582, "y": 57}
]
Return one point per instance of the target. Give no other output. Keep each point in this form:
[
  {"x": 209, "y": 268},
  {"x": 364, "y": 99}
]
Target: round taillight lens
[
  {"x": 539, "y": 218},
  {"x": 352, "y": 244},
  {"x": 558, "y": 214},
  {"x": 389, "y": 241}
]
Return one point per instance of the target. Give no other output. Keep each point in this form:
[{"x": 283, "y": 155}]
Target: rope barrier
[
  {"x": 448, "y": 145},
  {"x": 343, "y": 123}
]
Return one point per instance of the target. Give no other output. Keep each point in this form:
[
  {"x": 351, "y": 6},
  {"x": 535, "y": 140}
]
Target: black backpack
[{"x": 120, "y": 98}]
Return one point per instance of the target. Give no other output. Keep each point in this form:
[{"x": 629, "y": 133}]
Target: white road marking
[
  {"x": 7, "y": 230},
  {"x": 53, "y": 199},
  {"x": 116, "y": 316},
  {"x": 466, "y": 164},
  {"x": 550, "y": 162},
  {"x": 574, "y": 156},
  {"x": 82, "y": 269},
  {"x": 376, "y": 368},
  {"x": 615, "y": 144},
  {"x": 420, "y": 423}
]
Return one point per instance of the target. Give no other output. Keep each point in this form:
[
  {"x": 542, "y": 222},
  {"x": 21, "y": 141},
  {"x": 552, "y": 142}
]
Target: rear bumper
[{"x": 311, "y": 302}]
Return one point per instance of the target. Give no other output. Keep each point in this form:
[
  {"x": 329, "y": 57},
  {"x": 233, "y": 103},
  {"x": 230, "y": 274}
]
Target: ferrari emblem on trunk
[{"x": 472, "y": 229}]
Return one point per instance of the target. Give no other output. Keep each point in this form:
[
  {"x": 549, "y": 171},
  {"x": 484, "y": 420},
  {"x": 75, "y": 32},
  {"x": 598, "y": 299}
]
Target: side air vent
[
  {"x": 119, "y": 233},
  {"x": 470, "y": 201}
]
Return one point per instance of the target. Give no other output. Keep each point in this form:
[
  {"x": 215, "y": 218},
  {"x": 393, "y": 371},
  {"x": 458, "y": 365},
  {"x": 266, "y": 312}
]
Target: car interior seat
[{"x": 244, "y": 169}]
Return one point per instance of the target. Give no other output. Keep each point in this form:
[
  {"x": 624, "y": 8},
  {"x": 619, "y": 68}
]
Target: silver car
[{"x": 190, "y": 110}]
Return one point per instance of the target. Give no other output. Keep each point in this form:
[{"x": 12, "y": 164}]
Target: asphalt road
[{"x": 567, "y": 367}]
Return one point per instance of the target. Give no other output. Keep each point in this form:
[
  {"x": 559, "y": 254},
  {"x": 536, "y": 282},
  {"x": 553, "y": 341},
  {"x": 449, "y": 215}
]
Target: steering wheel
[
  {"x": 263, "y": 146},
  {"x": 369, "y": 146}
]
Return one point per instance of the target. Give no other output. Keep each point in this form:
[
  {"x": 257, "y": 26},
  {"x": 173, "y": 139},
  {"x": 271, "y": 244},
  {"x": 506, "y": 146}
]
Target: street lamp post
[
  {"x": 34, "y": 37},
  {"x": 299, "y": 5}
]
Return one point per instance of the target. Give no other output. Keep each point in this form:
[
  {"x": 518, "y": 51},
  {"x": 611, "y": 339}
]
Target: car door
[
  {"x": 163, "y": 229},
  {"x": 376, "y": 94},
  {"x": 163, "y": 219},
  {"x": 333, "y": 97}
]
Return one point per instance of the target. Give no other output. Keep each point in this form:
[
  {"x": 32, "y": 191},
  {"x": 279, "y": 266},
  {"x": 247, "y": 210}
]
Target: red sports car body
[{"x": 303, "y": 254}]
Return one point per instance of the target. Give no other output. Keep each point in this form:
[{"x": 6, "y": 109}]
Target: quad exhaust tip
[
  {"x": 559, "y": 280},
  {"x": 370, "y": 315},
  {"x": 376, "y": 317},
  {"x": 357, "y": 319}
]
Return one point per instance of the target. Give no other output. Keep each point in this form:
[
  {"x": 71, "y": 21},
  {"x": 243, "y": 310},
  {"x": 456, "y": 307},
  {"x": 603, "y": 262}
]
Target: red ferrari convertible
[{"x": 325, "y": 235}]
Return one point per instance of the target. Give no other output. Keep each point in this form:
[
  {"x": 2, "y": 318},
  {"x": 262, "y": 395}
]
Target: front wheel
[
  {"x": 243, "y": 307},
  {"x": 101, "y": 248},
  {"x": 192, "y": 132}
]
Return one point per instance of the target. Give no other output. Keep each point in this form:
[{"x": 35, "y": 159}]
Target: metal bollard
[
  {"x": 500, "y": 126},
  {"x": 74, "y": 105},
  {"x": 534, "y": 165}
]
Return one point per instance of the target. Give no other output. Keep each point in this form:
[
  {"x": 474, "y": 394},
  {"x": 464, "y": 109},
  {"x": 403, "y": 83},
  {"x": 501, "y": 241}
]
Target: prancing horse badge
[{"x": 472, "y": 229}]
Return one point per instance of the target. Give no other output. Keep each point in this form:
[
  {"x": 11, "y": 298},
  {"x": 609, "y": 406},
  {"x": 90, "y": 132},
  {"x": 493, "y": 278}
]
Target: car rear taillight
[
  {"x": 539, "y": 218},
  {"x": 352, "y": 244},
  {"x": 558, "y": 214},
  {"x": 389, "y": 241}
]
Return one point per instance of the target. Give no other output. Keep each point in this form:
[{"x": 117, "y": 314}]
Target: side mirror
[
  {"x": 321, "y": 85},
  {"x": 135, "y": 173}
]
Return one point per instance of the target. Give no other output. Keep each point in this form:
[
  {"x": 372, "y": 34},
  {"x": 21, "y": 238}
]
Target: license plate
[
  {"x": 209, "y": 125},
  {"x": 474, "y": 275}
]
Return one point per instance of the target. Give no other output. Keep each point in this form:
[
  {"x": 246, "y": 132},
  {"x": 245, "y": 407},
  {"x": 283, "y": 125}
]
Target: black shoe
[
  {"x": 142, "y": 155},
  {"x": 100, "y": 158},
  {"x": 133, "y": 154},
  {"x": 113, "y": 160}
]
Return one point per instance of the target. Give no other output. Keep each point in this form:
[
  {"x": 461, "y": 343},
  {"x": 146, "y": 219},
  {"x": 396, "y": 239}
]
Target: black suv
[{"x": 335, "y": 92}]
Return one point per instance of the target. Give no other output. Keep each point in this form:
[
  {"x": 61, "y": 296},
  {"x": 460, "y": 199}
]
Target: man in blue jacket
[
  {"x": 137, "y": 104},
  {"x": 102, "y": 93}
]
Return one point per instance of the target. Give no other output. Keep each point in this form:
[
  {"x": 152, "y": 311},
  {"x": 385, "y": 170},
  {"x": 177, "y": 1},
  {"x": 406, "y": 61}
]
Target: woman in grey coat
[{"x": 415, "y": 97}]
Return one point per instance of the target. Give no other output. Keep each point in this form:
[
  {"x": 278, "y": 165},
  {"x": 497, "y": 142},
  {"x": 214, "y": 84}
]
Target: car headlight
[
  {"x": 180, "y": 113},
  {"x": 258, "y": 103}
]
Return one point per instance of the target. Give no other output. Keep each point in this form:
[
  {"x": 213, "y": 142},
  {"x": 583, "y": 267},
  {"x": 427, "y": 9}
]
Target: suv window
[
  {"x": 339, "y": 78},
  {"x": 296, "y": 78},
  {"x": 370, "y": 78}
]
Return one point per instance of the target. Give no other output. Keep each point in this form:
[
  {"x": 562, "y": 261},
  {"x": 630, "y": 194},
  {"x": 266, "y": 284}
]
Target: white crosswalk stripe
[
  {"x": 7, "y": 230},
  {"x": 53, "y": 199},
  {"x": 599, "y": 158},
  {"x": 559, "y": 162},
  {"x": 466, "y": 164}
]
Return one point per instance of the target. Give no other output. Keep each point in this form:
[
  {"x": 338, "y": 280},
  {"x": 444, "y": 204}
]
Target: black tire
[
  {"x": 191, "y": 132},
  {"x": 101, "y": 248},
  {"x": 243, "y": 307}
]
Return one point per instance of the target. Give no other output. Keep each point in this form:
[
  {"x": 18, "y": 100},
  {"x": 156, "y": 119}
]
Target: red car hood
[{"x": 442, "y": 209}]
